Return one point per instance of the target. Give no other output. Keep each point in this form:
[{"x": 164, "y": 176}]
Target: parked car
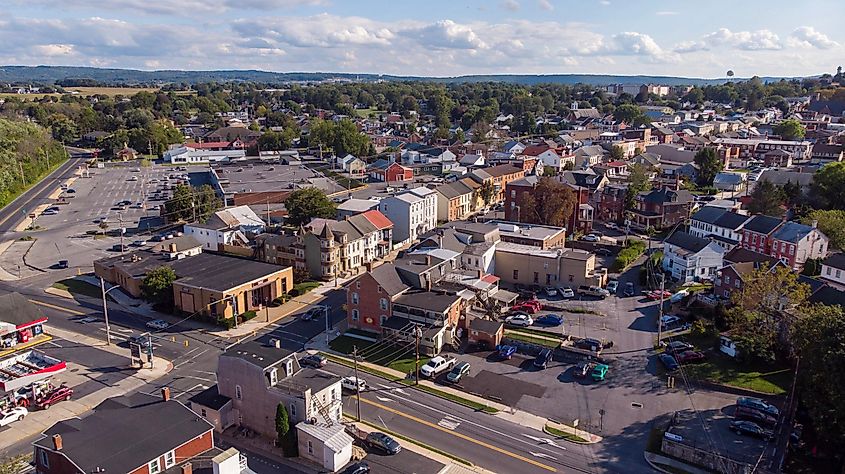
[
  {"x": 120, "y": 248},
  {"x": 436, "y": 365},
  {"x": 70, "y": 191},
  {"x": 603, "y": 252},
  {"x": 49, "y": 212},
  {"x": 519, "y": 319},
  {"x": 590, "y": 238},
  {"x": 158, "y": 324},
  {"x": 133, "y": 178},
  {"x": 543, "y": 358},
  {"x": 457, "y": 373},
  {"x": 551, "y": 291},
  {"x": 62, "y": 264},
  {"x": 566, "y": 292},
  {"x": 758, "y": 404},
  {"x": 612, "y": 286},
  {"x": 668, "y": 361},
  {"x": 549, "y": 320},
  {"x": 582, "y": 369},
  {"x": 744, "y": 427},
  {"x": 629, "y": 289},
  {"x": 314, "y": 360},
  {"x": 357, "y": 468},
  {"x": 655, "y": 295},
  {"x": 59, "y": 394},
  {"x": 353, "y": 384},
  {"x": 676, "y": 347},
  {"x": 669, "y": 320},
  {"x": 12, "y": 415},
  {"x": 139, "y": 243},
  {"x": 312, "y": 313},
  {"x": 525, "y": 307},
  {"x": 593, "y": 290},
  {"x": 505, "y": 351},
  {"x": 757, "y": 416},
  {"x": 599, "y": 372},
  {"x": 690, "y": 357},
  {"x": 589, "y": 344},
  {"x": 383, "y": 442}
]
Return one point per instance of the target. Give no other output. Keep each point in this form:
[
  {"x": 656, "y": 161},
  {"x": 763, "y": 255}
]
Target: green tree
[
  {"x": 764, "y": 310},
  {"x": 766, "y": 198},
  {"x": 307, "y": 203},
  {"x": 192, "y": 204},
  {"x": 282, "y": 423},
  {"x": 828, "y": 188},
  {"x": 709, "y": 164},
  {"x": 63, "y": 128},
  {"x": 617, "y": 153},
  {"x": 639, "y": 180},
  {"x": 831, "y": 223},
  {"x": 819, "y": 340},
  {"x": 15, "y": 464},
  {"x": 486, "y": 192},
  {"x": 273, "y": 141},
  {"x": 551, "y": 203},
  {"x": 631, "y": 114},
  {"x": 790, "y": 129},
  {"x": 157, "y": 285}
]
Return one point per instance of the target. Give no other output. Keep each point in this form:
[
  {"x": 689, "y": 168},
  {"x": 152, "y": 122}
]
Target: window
[
  {"x": 354, "y": 297},
  {"x": 203, "y": 413},
  {"x": 736, "y": 283},
  {"x": 169, "y": 459},
  {"x": 727, "y": 280},
  {"x": 358, "y": 284},
  {"x": 382, "y": 319},
  {"x": 536, "y": 277},
  {"x": 355, "y": 315},
  {"x": 382, "y": 303},
  {"x": 827, "y": 271},
  {"x": 838, "y": 273},
  {"x": 154, "y": 466},
  {"x": 791, "y": 250},
  {"x": 293, "y": 410},
  {"x": 379, "y": 288},
  {"x": 310, "y": 447},
  {"x": 238, "y": 393},
  {"x": 43, "y": 458},
  {"x": 516, "y": 274}
]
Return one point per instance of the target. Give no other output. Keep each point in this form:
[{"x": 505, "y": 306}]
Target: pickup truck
[
  {"x": 592, "y": 290},
  {"x": 436, "y": 365}
]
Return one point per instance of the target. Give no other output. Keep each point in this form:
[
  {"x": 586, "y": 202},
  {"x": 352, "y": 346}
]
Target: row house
[
  {"x": 689, "y": 258},
  {"x": 731, "y": 278},
  {"x": 833, "y": 270},
  {"x": 722, "y": 226},
  {"x": 587, "y": 186},
  {"x": 499, "y": 176},
  {"x": 827, "y": 153},
  {"x": 412, "y": 212},
  {"x": 800, "y": 150},
  {"x": 794, "y": 243},
  {"x": 661, "y": 208},
  {"x": 551, "y": 157},
  {"x": 455, "y": 201},
  {"x": 612, "y": 203},
  {"x": 757, "y": 233},
  {"x": 588, "y": 156},
  {"x": 614, "y": 170},
  {"x": 328, "y": 248}
]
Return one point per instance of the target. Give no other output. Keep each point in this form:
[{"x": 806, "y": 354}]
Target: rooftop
[
  {"x": 428, "y": 300},
  {"x": 256, "y": 353},
  {"x": 792, "y": 231},
  {"x": 763, "y": 224},
  {"x": 221, "y": 273},
  {"x": 210, "y": 398},
  {"x": 257, "y": 177},
  {"x": 18, "y": 310},
  {"x": 385, "y": 275},
  {"x": 836, "y": 260},
  {"x": 357, "y": 205},
  {"x": 687, "y": 242}
]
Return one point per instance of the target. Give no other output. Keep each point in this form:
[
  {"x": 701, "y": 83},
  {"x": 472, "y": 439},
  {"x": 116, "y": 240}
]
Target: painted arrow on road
[
  {"x": 548, "y": 441},
  {"x": 542, "y": 455}
]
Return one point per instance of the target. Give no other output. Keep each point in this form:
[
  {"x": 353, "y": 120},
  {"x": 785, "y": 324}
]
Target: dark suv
[
  {"x": 383, "y": 442},
  {"x": 543, "y": 358}
]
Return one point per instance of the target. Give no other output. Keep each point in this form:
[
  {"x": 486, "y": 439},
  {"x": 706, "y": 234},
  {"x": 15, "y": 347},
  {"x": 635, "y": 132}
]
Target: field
[{"x": 86, "y": 91}]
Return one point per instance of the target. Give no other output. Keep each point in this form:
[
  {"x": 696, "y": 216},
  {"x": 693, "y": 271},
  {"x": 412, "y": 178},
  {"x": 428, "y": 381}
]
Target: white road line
[{"x": 53, "y": 343}]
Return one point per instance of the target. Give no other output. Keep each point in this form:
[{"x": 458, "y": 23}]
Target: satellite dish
[{"x": 730, "y": 73}]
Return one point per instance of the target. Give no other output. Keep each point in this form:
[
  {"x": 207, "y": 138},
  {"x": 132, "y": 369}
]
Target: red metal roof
[{"x": 378, "y": 219}]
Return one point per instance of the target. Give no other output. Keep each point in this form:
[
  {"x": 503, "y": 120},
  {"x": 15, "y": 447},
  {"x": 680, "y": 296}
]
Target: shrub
[
  {"x": 629, "y": 254},
  {"x": 247, "y": 315},
  {"x": 227, "y": 323}
]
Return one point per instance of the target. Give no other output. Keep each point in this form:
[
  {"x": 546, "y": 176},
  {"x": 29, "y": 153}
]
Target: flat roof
[
  {"x": 221, "y": 273},
  {"x": 262, "y": 355},
  {"x": 260, "y": 177}
]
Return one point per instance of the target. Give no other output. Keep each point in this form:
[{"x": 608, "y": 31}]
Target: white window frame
[
  {"x": 355, "y": 315},
  {"x": 170, "y": 459},
  {"x": 43, "y": 458},
  {"x": 155, "y": 462}
]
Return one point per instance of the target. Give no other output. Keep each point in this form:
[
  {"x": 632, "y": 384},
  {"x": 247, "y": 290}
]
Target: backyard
[{"x": 721, "y": 369}]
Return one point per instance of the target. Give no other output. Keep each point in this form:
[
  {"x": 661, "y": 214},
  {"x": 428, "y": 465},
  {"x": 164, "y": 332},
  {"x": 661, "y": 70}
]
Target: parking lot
[{"x": 123, "y": 195}]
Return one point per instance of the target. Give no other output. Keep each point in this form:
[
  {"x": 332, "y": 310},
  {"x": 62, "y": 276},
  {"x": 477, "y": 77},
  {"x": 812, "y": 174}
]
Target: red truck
[{"x": 59, "y": 394}]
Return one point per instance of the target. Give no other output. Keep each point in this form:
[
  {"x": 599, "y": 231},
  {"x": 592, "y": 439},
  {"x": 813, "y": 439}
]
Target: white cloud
[
  {"x": 53, "y": 49},
  {"x": 630, "y": 42},
  {"x": 511, "y": 5},
  {"x": 545, "y": 5},
  {"x": 807, "y": 36},
  {"x": 746, "y": 40},
  {"x": 180, "y": 7},
  {"x": 448, "y": 34}
]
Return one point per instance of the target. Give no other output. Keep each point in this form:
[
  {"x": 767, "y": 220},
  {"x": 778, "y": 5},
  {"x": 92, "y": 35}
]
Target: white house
[
  {"x": 472, "y": 160},
  {"x": 556, "y": 161},
  {"x": 327, "y": 445},
  {"x": 689, "y": 258},
  {"x": 412, "y": 212},
  {"x": 721, "y": 225},
  {"x": 226, "y": 227},
  {"x": 833, "y": 270},
  {"x": 186, "y": 154}
]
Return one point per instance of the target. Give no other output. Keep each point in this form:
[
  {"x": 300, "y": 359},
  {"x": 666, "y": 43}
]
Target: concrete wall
[
  {"x": 554, "y": 271},
  {"x": 708, "y": 459}
]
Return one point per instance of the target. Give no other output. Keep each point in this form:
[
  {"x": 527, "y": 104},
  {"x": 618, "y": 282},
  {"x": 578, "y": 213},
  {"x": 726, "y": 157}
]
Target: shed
[
  {"x": 486, "y": 332},
  {"x": 327, "y": 445}
]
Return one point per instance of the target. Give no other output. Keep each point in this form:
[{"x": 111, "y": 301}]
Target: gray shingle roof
[
  {"x": 687, "y": 242},
  {"x": 385, "y": 275},
  {"x": 709, "y": 214},
  {"x": 762, "y": 224},
  {"x": 836, "y": 260},
  {"x": 731, "y": 220},
  {"x": 792, "y": 231}
]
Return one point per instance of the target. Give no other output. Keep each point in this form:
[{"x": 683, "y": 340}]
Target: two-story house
[
  {"x": 833, "y": 270},
  {"x": 732, "y": 277},
  {"x": 412, "y": 213},
  {"x": 757, "y": 233},
  {"x": 722, "y": 226},
  {"x": 611, "y": 206},
  {"x": 499, "y": 176},
  {"x": 134, "y": 434},
  {"x": 587, "y": 186},
  {"x": 661, "y": 208},
  {"x": 688, "y": 258},
  {"x": 794, "y": 243},
  {"x": 370, "y": 297},
  {"x": 253, "y": 378},
  {"x": 227, "y": 227},
  {"x": 455, "y": 201}
]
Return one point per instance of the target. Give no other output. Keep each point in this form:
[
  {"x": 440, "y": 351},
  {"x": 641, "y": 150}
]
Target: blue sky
[{"x": 433, "y": 37}]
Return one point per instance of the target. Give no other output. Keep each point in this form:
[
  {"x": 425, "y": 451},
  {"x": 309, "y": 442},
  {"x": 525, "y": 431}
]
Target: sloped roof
[
  {"x": 687, "y": 242},
  {"x": 18, "y": 310},
  {"x": 709, "y": 214},
  {"x": 333, "y": 437},
  {"x": 741, "y": 255},
  {"x": 379, "y": 220},
  {"x": 763, "y": 224},
  {"x": 387, "y": 277},
  {"x": 836, "y": 260},
  {"x": 731, "y": 220},
  {"x": 792, "y": 231},
  {"x": 781, "y": 177}
]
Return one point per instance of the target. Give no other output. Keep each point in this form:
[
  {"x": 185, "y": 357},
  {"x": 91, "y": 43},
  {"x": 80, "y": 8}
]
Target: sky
[{"x": 431, "y": 37}]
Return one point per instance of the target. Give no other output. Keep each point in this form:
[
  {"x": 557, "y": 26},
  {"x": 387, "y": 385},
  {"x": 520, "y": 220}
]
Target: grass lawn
[
  {"x": 722, "y": 369},
  {"x": 562, "y": 434},
  {"x": 344, "y": 344},
  {"x": 110, "y": 91},
  {"x": 78, "y": 286},
  {"x": 396, "y": 357},
  {"x": 540, "y": 341},
  {"x": 305, "y": 287},
  {"x": 365, "y": 113}
]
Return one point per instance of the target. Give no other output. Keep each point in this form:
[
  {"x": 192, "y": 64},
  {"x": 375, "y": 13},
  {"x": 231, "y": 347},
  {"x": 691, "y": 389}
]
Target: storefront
[{"x": 20, "y": 320}]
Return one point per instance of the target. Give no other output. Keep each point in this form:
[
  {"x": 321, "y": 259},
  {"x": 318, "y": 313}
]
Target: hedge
[{"x": 629, "y": 254}]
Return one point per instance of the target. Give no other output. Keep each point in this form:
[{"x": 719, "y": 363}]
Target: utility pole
[
  {"x": 120, "y": 218},
  {"x": 417, "y": 335},
  {"x": 105, "y": 311},
  {"x": 357, "y": 385},
  {"x": 660, "y": 309},
  {"x": 326, "y": 313}
]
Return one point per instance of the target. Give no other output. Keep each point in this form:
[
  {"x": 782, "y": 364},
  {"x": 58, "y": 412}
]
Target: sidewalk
[
  {"x": 505, "y": 412},
  {"x": 40, "y": 420}
]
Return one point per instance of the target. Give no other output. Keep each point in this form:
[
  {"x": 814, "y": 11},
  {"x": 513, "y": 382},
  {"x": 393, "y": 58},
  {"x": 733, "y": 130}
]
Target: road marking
[
  {"x": 384, "y": 399},
  {"x": 460, "y": 435},
  {"x": 58, "y": 308},
  {"x": 543, "y": 455},
  {"x": 548, "y": 441}
]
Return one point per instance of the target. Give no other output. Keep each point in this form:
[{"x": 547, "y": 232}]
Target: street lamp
[{"x": 106, "y": 309}]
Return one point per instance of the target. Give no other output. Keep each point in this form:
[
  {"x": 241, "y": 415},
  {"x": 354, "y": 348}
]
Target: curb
[{"x": 585, "y": 442}]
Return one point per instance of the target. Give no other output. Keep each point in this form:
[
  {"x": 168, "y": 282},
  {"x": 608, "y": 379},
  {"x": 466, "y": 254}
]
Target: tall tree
[
  {"x": 307, "y": 203},
  {"x": 631, "y": 114},
  {"x": 831, "y": 223},
  {"x": 790, "y": 129},
  {"x": 639, "y": 180},
  {"x": 828, "y": 188},
  {"x": 709, "y": 164},
  {"x": 617, "y": 153},
  {"x": 282, "y": 423},
  {"x": 486, "y": 192},
  {"x": 763, "y": 310},
  {"x": 551, "y": 203},
  {"x": 819, "y": 339},
  {"x": 192, "y": 204},
  {"x": 766, "y": 198},
  {"x": 157, "y": 285}
]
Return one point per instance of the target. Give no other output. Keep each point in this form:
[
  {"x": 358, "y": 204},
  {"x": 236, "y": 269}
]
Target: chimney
[
  {"x": 172, "y": 248},
  {"x": 165, "y": 393},
  {"x": 428, "y": 260},
  {"x": 187, "y": 468},
  {"x": 815, "y": 223},
  {"x": 57, "y": 442}
]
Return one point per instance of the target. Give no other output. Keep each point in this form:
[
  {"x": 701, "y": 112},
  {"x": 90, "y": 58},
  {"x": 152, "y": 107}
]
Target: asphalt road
[{"x": 11, "y": 214}]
